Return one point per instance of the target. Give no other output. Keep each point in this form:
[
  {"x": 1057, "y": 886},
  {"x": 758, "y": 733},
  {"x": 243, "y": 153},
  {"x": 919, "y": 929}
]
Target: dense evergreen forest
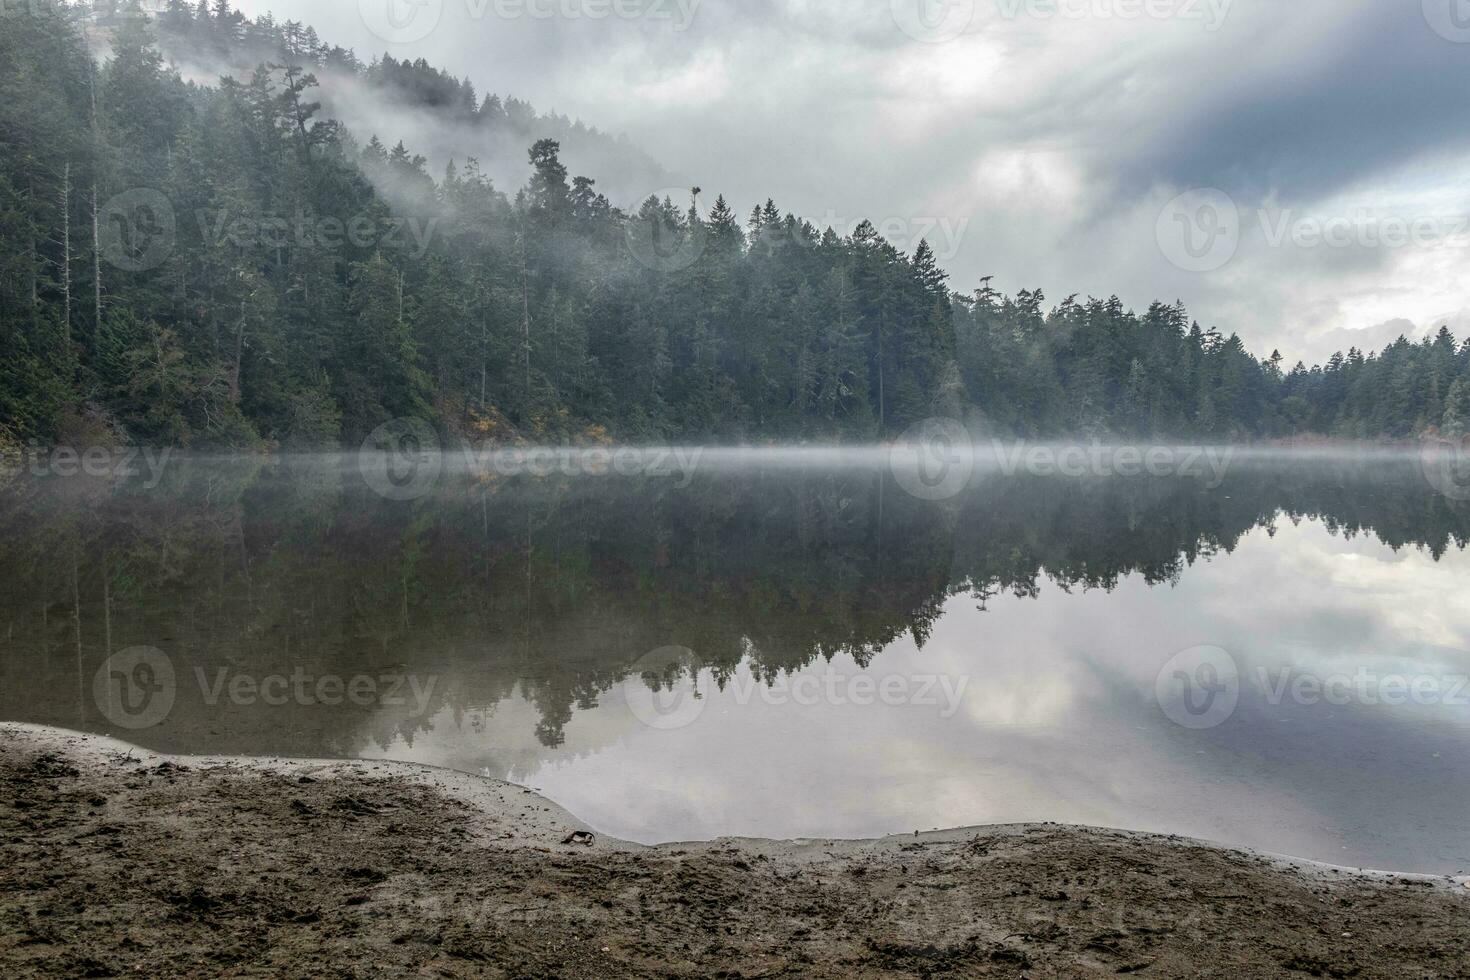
[{"x": 224, "y": 266}]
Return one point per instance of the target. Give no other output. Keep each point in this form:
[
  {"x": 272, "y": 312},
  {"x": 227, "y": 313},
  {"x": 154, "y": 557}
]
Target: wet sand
[{"x": 117, "y": 861}]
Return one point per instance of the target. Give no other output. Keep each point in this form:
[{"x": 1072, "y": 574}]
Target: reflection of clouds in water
[
  {"x": 1321, "y": 603},
  {"x": 1034, "y": 703},
  {"x": 1416, "y": 600},
  {"x": 1058, "y": 722},
  {"x": 501, "y": 740}
]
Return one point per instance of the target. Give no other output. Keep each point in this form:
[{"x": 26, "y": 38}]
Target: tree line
[{"x": 223, "y": 266}]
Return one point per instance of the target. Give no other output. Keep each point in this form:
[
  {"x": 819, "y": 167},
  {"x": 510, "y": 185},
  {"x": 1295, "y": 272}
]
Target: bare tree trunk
[
  {"x": 107, "y": 605},
  {"x": 35, "y": 262},
  {"x": 239, "y": 353},
  {"x": 245, "y": 566},
  {"x": 96, "y": 227},
  {"x": 484, "y": 349},
  {"x": 66, "y": 254},
  {"x": 526, "y": 319},
  {"x": 96, "y": 267},
  {"x": 882, "y": 406},
  {"x": 76, "y": 612},
  {"x": 298, "y": 115}
]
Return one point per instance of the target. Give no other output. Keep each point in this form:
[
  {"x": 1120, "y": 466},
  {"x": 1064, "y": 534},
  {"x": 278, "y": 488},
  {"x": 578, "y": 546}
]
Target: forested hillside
[
  {"x": 225, "y": 265},
  {"x": 441, "y": 116}
]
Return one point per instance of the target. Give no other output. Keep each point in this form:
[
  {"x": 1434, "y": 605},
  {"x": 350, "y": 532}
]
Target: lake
[{"x": 784, "y": 645}]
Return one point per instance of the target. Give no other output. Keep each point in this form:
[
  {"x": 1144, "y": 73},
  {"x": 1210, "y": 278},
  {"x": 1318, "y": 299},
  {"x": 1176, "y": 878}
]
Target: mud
[{"x": 115, "y": 861}]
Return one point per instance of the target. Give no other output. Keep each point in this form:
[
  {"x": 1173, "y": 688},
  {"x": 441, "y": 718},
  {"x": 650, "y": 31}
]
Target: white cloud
[{"x": 1054, "y": 139}]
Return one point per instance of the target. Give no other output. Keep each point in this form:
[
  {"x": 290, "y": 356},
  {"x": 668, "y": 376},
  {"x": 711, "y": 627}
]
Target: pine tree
[{"x": 1457, "y": 410}]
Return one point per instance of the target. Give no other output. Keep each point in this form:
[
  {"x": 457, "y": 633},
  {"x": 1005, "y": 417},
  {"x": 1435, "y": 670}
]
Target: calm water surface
[{"x": 786, "y": 650}]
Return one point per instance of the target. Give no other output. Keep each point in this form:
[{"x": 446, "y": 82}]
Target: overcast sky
[{"x": 1044, "y": 142}]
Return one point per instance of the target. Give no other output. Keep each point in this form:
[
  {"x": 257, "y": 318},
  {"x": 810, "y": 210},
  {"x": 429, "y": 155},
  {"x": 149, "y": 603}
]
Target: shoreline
[{"x": 121, "y": 859}]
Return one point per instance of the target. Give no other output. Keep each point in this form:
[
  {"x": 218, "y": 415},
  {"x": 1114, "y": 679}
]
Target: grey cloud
[
  {"x": 1048, "y": 139},
  {"x": 1378, "y": 88},
  {"x": 1369, "y": 339}
]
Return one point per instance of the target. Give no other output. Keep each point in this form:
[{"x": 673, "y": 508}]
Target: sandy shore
[{"x": 119, "y": 861}]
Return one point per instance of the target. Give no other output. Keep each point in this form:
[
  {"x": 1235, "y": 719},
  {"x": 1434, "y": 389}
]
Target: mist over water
[{"x": 785, "y": 641}]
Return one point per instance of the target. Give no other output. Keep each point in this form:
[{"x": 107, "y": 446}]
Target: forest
[{"x": 224, "y": 266}]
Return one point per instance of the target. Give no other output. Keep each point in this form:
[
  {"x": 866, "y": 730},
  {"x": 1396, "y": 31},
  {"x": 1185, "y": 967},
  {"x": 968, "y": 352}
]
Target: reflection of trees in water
[{"x": 556, "y": 588}]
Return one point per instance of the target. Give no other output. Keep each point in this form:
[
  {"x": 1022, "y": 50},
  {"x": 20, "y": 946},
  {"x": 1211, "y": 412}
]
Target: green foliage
[
  {"x": 306, "y": 289},
  {"x": 1457, "y": 410}
]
